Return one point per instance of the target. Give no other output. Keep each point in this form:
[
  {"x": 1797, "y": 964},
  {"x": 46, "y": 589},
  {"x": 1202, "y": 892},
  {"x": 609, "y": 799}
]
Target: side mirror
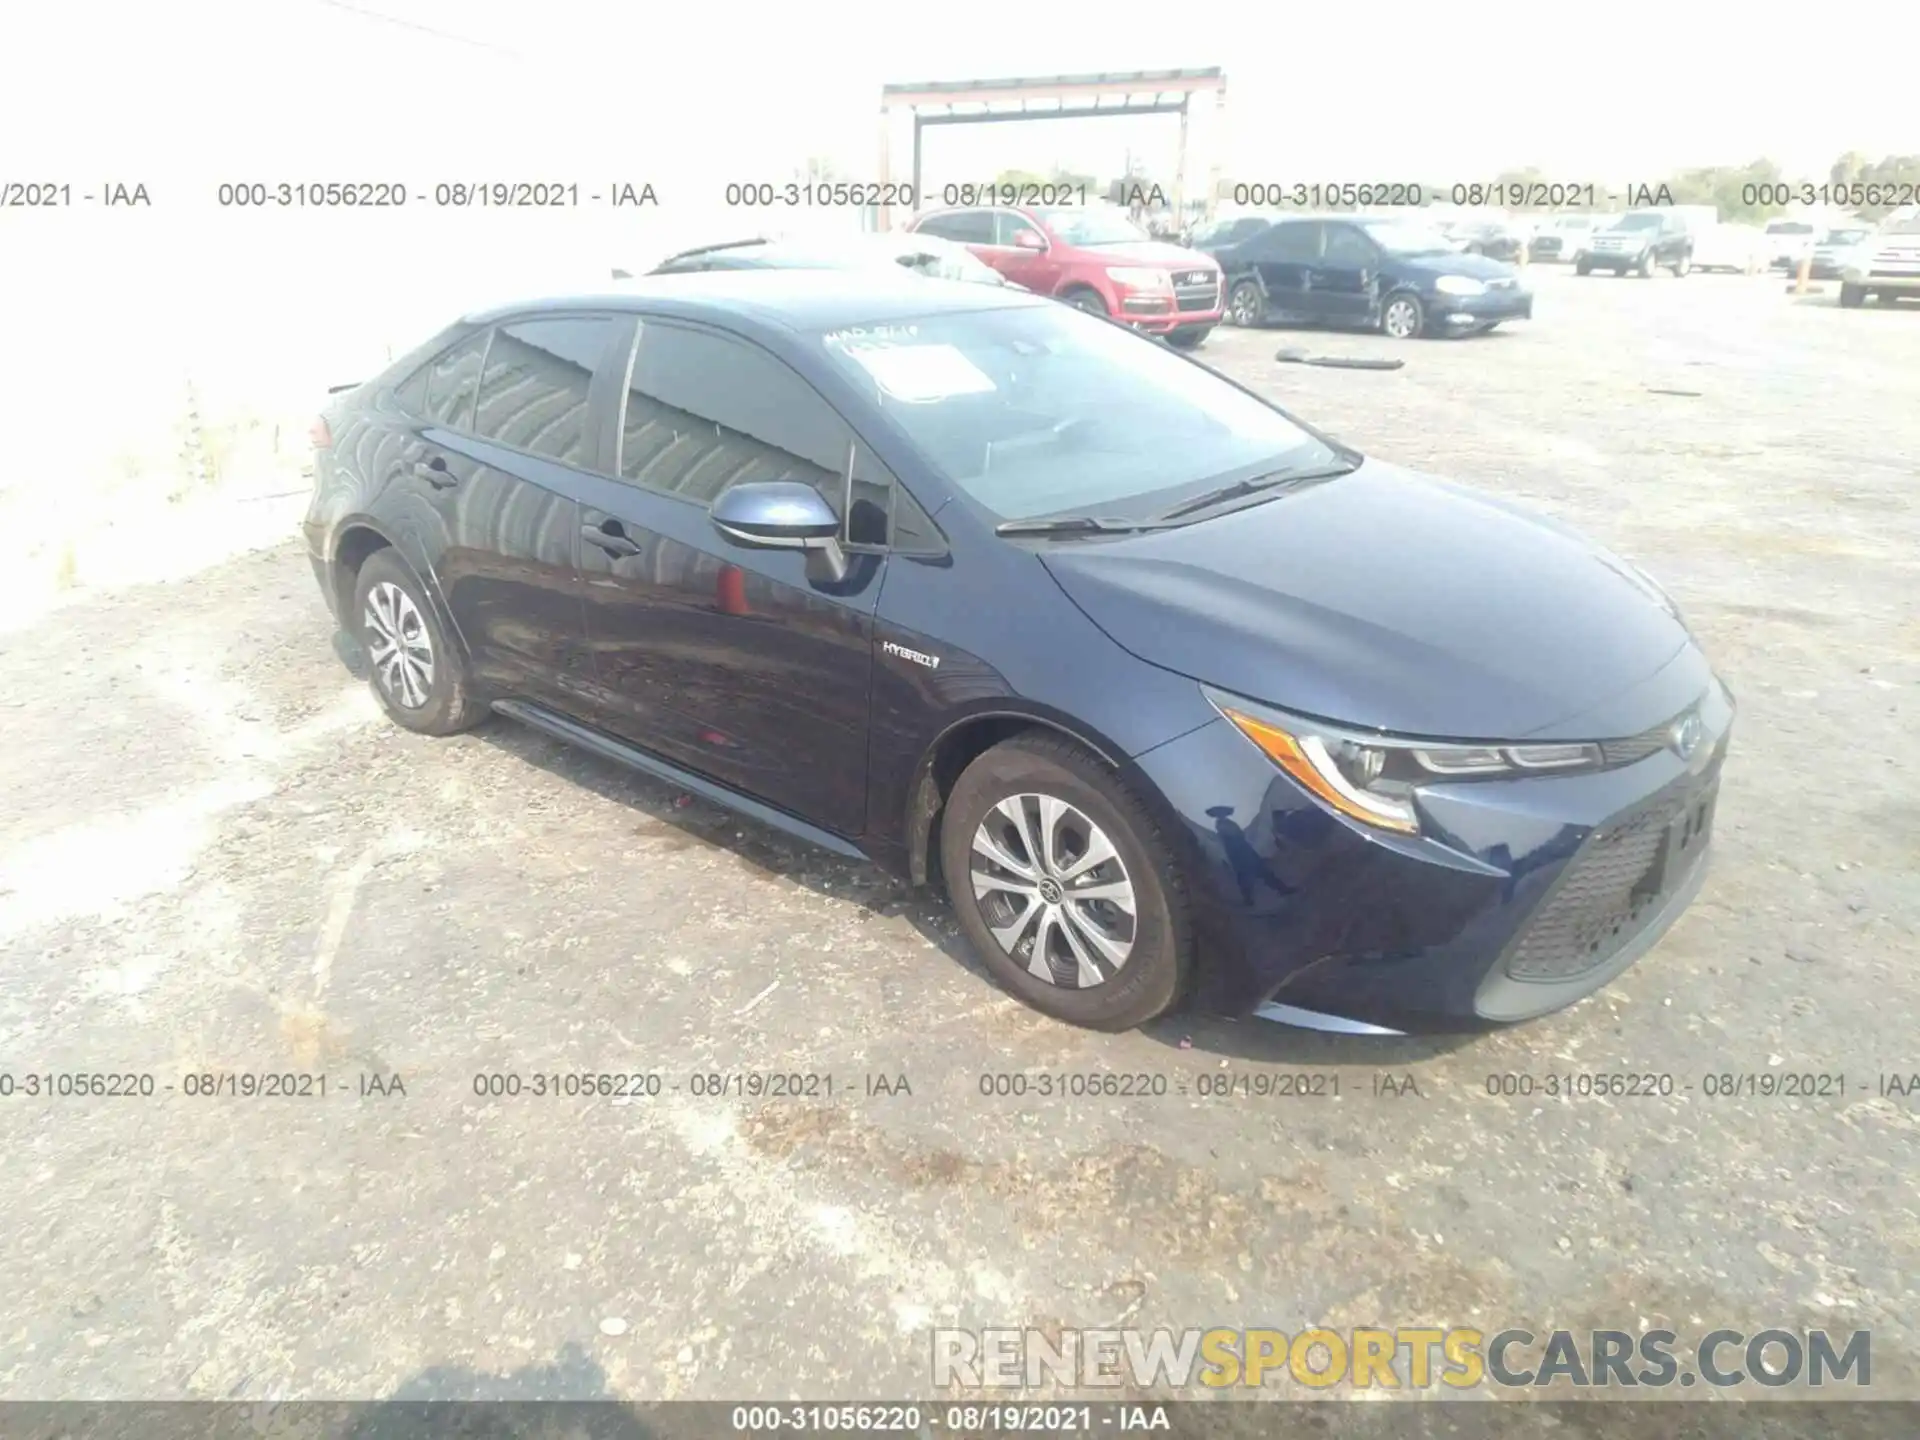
[
  {"x": 781, "y": 515},
  {"x": 1029, "y": 240}
]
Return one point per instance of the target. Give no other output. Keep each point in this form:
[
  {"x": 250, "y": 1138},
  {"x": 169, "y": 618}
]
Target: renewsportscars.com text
[{"x": 1402, "y": 1358}]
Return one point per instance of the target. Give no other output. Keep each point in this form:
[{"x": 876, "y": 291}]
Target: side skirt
[{"x": 619, "y": 751}]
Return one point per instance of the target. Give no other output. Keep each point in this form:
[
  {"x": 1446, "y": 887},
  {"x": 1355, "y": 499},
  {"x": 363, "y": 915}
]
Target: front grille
[
  {"x": 1202, "y": 296},
  {"x": 1611, "y": 888},
  {"x": 1548, "y": 245}
]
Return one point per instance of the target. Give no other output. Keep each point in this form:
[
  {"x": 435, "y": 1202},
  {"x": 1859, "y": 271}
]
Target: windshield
[
  {"x": 1093, "y": 227},
  {"x": 1574, "y": 222},
  {"x": 1789, "y": 227},
  {"x": 1844, "y": 237},
  {"x": 1639, "y": 220},
  {"x": 1040, "y": 410},
  {"x": 1397, "y": 237}
]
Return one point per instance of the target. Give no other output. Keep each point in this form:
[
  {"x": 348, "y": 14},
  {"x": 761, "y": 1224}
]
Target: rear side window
[
  {"x": 534, "y": 393},
  {"x": 452, "y": 379},
  {"x": 969, "y": 227},
  {"x": 704, "y": 412}
]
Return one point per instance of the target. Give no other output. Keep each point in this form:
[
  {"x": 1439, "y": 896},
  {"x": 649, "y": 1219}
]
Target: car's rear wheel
[
  {"x": 1082, "y": 298},
  {"x": 1246, "y": 305},
  {"x": 1403, "y": 316},
  {"x": 1064, "y": 885},
  {"x": 1852, "y": 295},
  {"x": 416, "y": 674}
]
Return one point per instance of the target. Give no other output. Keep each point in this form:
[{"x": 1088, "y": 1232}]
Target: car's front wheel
[
  {"x": 1852, "y": 295},
  {"x": 1064, "y": 885},
  {"x": 1191, "y": 338},
  {"x": 1088, "y": 300},
  {"x": 1583, "y": 266},
  {"x": 1682, "y": 266},
  {"x": 1403, "y": 316},
  {"x": 417, "y": 675}
]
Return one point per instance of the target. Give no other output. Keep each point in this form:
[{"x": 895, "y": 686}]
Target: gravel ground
[{"x": 215, "y": 857}]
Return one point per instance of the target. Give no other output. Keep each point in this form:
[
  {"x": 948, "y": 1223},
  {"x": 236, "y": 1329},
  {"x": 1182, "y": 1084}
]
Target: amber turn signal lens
[{"x": 1314, "y": 768}]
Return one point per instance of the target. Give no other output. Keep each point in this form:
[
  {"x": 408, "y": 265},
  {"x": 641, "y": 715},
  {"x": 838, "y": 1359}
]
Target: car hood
[
  {"x": 1453, "y": 263},
  {"x": 1152, "y": 252},
  {"x": 1396, "y": 602}
]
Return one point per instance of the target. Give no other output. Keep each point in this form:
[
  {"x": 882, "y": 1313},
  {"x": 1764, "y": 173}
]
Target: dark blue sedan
[
  {"x": 1401, "y": 277},
  {"x": 1177, "y": 698}
]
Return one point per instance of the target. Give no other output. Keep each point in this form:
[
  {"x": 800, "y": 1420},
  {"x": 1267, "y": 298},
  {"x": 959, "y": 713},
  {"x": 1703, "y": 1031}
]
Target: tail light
[{"x": 320, "y": 434}]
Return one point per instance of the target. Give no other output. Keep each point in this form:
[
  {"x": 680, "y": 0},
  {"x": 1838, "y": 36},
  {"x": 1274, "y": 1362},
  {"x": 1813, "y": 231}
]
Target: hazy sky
[
  {"x": 187, "y": 94},
  {"x": 1388, "y": 90}
]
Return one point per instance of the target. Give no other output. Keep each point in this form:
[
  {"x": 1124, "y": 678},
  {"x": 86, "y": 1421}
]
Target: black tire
[
  {"x": 1246, "y": 304},
  {"x": 1648, "y": 266},
  {"x": 1154, "y": 971},
  {"x": 1851, "y": 296},
  {"x": 1682, "y": 266},
  {"x": 1191, "y": 338},
  {"x": 1583, "y": 266},
  {"x": 446, "y": 705},
  {"x": 1082, "y": 297},
  {"x": 1402, "y": 303}
]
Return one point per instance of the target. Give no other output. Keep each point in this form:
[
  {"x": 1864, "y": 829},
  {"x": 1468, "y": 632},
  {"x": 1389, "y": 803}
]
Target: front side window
[
  {"x": 1093, "y": 227},
  {"x": 452, "y": 378},
  {"x": 534, "y": 393},
  {"x": 1037, "y": 410},
  {"x": 705, "y": 411},
  {"x": 1009, "y": 225}
]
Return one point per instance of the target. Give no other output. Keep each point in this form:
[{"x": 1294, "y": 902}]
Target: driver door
[
  {"x": 1024, "y": 254},
  {"x": 747, "y": 666}
]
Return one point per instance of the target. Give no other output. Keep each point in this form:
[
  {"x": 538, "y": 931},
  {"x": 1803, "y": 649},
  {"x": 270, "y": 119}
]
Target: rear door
[{"x": 503, "y": 476}]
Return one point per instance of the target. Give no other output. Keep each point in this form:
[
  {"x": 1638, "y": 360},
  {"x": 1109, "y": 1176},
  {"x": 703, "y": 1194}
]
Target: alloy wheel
[
  {"x": 1243, "y": 306},
  {"x": 400, "y": 649},
  {"x": 1053, "y": 891},
  {"x": 1401, "y": 319}
]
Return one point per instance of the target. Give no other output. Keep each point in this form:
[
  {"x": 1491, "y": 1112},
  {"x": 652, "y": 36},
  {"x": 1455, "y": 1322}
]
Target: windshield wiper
[
  {"x": 1258, "y": 483},
  {"x": 1075, "y": 525}
]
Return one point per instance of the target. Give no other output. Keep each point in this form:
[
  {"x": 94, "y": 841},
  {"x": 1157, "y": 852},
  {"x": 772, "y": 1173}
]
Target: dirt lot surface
[{"x": 215, "y": 857}]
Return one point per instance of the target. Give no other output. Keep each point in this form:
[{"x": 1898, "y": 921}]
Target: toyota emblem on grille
[{"x": 1685, "y": 738}]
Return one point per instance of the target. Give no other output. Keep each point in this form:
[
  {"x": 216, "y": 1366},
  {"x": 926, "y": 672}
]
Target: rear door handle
[
  {"x": 435, "y": 473},
  {"x": 611, "y": 541}
]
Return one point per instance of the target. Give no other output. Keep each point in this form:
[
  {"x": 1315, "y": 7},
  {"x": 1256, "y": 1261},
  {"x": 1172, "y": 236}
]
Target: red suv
[{"x": 1092, "y": 258}]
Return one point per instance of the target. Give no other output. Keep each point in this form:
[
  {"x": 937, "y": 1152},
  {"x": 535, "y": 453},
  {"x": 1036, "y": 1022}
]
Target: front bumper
[
  {"x": 1520, "y": 897},
  {"x": 1160, "y": 312},
  {"x": 1884, "y": 281},
  {"x": 1472, "y": 312},
  {"x": 1616, "y": 259}
]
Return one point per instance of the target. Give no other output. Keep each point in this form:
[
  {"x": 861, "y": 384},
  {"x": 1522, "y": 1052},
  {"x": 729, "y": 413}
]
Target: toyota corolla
[{"x": 1178, "y": 699}]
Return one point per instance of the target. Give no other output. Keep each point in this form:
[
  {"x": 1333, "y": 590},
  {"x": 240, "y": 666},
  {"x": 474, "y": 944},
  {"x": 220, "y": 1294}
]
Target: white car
[
  {"x": 1743, "y": 249},
  {"x": 1565, "y": 237},
  {"x": 1889, "y": 265},
  {"x": 1789, "y": 241}
]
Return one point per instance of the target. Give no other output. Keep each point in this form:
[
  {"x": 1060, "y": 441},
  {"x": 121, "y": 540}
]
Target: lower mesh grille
[{"x": 1610, "y": 891}]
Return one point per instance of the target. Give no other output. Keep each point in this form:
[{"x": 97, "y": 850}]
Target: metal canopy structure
[{"x": 1047, "y": 97}]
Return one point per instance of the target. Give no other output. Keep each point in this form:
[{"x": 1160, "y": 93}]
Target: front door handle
[
  {"x": 611, "y": 541},
  {"x": 435, "y": 473}
]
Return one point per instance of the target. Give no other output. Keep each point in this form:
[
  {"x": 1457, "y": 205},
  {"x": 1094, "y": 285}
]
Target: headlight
[
  {"x": 1460, "y": 285},
  {"x": 1133, "y": 277},
  {"x": 1373, "y": 778}
]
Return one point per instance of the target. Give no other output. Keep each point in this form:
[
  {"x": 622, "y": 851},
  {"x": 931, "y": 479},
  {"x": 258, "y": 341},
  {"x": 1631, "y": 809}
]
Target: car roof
[{"x": 790, "y": 299}]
